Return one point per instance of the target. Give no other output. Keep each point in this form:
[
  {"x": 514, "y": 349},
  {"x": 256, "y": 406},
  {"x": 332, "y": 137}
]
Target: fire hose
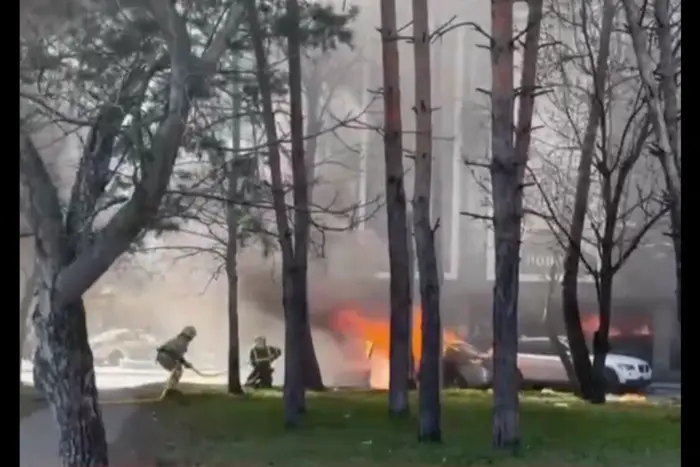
[{"x": 151, "y": 400}]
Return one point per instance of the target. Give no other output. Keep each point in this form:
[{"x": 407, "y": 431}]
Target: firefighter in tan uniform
[
  {"x": 171, "y": 356},
  {"x": 261, "y": 357}
]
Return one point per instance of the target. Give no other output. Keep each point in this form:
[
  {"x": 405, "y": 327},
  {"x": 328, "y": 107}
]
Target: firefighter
[
  {"x": 171, "y": 356},
  {"x": 261, "y": 358}
]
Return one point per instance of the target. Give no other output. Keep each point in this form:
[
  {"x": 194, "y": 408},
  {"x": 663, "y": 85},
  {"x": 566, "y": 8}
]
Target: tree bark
[
  {"x": 313, "y": 379},
  {"x": 601, "y": 342},
  {"x": 234, "y": 356},
  {"x": 311, "y": 372},
  {"x": 429, "y": 407},
  {"x": 665, "y": 117},
  {"x": 233, "y": 174},
  {"x": 507, "y": 216},
  {"x": 399, "y": 281},
  {"x": 64, "y": 375},
  {"x": 572, "y": 259},
  {"x": 528, "y": 85},
  {"x": 412, "y": 359},
  {"x": 293, "y": 381},
  {"x": 314, "y": 125},
  {"x": 669, "y": 89},
  {"x": 509, "y": 159},
  {"x": 24, "y": 306},
  {"x": 551, "y": 329}
]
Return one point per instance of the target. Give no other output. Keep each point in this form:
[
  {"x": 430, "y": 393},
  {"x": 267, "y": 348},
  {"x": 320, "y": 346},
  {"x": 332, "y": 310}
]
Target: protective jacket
[
  {"x": 173, "y": 352},
  {"x": 264, "y": 355}
]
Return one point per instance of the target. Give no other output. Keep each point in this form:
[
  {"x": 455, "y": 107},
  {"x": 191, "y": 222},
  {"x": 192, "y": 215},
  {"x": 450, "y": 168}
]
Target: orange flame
[
  {"x": 375, "y": 331},
  {"x": 590, "y": 323}
]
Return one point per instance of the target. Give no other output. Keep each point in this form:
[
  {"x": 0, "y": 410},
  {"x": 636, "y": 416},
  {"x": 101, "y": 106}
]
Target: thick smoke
[{"x": 167, "y": 294}]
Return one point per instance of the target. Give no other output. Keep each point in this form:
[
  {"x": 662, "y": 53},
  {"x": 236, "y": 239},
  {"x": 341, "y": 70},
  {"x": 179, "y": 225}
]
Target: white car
[
  {"x": 115, "y": 346},
  {"x": 540, "y": 366}
]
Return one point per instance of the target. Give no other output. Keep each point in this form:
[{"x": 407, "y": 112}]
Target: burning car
[
  {"x": 464, "y": 366},
  {"x": 365, "y": 343}
]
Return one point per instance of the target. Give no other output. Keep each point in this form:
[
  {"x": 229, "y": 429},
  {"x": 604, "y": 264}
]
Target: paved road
[
  {"x": 38, "y": 435},
  {"x": 124, "y": 377},
  {"x": 664, "y": 391}
]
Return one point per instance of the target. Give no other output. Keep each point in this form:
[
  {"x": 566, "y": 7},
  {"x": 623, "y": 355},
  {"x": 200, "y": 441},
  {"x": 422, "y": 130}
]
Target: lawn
[{"x": 352, "y": 428}]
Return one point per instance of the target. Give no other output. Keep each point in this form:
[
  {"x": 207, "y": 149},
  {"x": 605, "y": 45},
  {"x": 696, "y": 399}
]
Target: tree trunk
[
  {"x": 601, "y": 342},
  {"x": 293, "y": 381},
  {"x": 293, "y": 393},
  {"x": 429, "y": 408},
  {"x": 412, "y": 359},
  {"x": 400, "y": 283},
  {"x": 24, "y": 306},
  {"x": 528, "y": 85},
  {"x": 64, "y": 375},
  {"x": 314, "y": 125},
  {"x": 234, "y": 355},
  {"x": 604, "y": 282},
  {"x": 572, "y": 317},
  {"x": 313, "y": 379},
  {"x": 552, "y": 332},
  {"x": 665, "y": 117},
  {"x": 311, "y": 374},
  {"x": 669, "y": 89},
  {"x": 507, "y": 215},
  {"x": 233, "y": 169}
]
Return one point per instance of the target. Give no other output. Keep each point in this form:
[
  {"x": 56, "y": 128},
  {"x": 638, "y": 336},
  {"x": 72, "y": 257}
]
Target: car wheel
[
  {"x": 612, "y": 382},
  {"x": 115, "y": 358}
]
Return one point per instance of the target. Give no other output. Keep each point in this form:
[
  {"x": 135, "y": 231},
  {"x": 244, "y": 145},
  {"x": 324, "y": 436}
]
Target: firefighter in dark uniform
[
  {"x": 261, "y": 358},
  {"x": 171, "y": 356}
]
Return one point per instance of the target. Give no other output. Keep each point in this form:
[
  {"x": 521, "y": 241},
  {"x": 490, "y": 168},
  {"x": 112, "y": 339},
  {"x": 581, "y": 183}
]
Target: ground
[
  {"x": 352, "y": 428},
  {"x": 29, "y": 401}
]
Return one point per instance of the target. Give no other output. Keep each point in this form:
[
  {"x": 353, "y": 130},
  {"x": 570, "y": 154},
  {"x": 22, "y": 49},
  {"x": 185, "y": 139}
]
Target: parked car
[
  {"x": 114, "y": 346},
  {"x": 540, "y": 366}
]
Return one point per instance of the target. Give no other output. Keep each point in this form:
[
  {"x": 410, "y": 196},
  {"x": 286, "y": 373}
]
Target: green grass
[{"x": 352, "y": 428}]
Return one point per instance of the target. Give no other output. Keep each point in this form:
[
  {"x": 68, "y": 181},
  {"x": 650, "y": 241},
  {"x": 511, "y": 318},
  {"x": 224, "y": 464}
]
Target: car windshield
[
  {"x": 463, "y": 347},
  {"x": 145, "y": 336},
  {"x": 109, "y": 335}
]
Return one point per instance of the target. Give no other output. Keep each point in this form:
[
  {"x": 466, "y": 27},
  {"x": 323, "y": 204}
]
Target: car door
[
  {"x": 541, "y": 363},
  {"x": 562, "y": 376},
  {"x": 103, "y": 344},
  {"x": 138, "y": 346},
  {"x": 555, "y": 371},
  {"x": 530, "y": 363}
]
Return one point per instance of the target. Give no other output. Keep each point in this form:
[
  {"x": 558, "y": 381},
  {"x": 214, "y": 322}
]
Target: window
[{"x": 540, "y": 346}]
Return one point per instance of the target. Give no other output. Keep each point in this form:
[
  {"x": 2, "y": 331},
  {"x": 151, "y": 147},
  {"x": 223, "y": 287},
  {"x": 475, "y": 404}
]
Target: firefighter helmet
[{"x": 189, "y": 331}]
